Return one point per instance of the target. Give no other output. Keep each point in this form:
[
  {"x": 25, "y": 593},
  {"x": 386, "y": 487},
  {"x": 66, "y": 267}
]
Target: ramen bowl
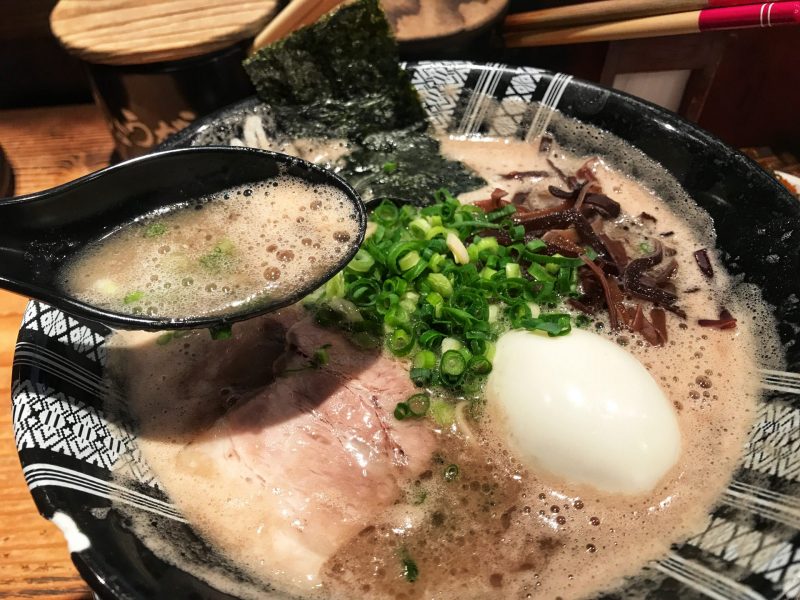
[{"x": 70, "y": 443}]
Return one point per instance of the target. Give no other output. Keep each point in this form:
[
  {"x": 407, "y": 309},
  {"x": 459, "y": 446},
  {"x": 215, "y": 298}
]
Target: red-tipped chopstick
[
  {"x": 604, "y": 11},
  {"x": 769, "y": 14}
]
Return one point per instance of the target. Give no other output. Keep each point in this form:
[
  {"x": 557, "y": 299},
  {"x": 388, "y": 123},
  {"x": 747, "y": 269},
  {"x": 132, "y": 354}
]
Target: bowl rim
[{"x": 87, "y": 562}]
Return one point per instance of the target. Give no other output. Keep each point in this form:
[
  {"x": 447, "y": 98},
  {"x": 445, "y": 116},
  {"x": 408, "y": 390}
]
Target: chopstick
[
  {"x": 768, "y": 14},
  {"x": 297, "y": 14},
  {"x": 601, "y": 11}
]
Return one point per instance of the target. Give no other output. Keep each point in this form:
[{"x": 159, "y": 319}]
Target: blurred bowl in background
[
  {"x": 433, "y": 29},
  {"x": 6, "y": 176}
]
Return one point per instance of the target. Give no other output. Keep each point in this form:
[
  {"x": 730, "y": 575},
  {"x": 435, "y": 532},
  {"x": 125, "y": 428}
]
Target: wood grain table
[{"x": 46, "y": 147}]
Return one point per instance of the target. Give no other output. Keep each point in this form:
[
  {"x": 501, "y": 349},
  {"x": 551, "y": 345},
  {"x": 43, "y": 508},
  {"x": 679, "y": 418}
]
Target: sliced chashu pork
[{"x": 286, "y": 478}]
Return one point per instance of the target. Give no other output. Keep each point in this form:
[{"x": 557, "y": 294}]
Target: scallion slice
[
  {"x": 450, "y": 472},
  {"x": 400, "y": 342},
  {"x": 452, "y": 363},
  {"x": 401, "y": 411},
  {"x": 418, "y": 404}
]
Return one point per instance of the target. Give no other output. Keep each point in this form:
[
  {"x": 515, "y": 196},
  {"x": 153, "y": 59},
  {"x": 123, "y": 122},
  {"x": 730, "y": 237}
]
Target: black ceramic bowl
[{"x": 751, "y": 548}]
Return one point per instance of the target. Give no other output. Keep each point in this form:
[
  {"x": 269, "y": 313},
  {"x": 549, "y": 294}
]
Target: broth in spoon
[{"x": 242, "y": 246}]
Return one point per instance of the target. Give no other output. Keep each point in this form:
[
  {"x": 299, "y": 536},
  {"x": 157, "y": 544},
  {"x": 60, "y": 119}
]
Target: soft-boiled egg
[{"x": 584, "y": 409}]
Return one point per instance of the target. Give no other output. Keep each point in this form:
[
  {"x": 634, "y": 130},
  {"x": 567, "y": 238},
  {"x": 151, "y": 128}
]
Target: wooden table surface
[{"x": 46, "y": 146}]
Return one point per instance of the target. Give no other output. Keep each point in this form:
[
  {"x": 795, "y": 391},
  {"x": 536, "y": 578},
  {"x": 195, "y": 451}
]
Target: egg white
[{"x": 584, "y": 409}]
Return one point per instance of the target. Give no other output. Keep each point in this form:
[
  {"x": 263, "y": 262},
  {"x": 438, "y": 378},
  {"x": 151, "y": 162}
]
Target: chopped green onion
[
  {"x": 410, "y": 570},
  {"x": 440, "y": 283},
  {"x": 420, "y": 376},
  {"x": 389, "y": 167},
  {"x": 335, "y": 287},
  {"x": 436, "y": 261},
  {"x": 450, "y": 343},
  {"x": 435, "y": 231},
  {"x": 480, "y": 365},
  {"x": 431, "y": 339},
  {"x": 487, "y": 273},
  {"x": 400, "y": 342},
  {"x": 645, "y": 248},
  {"x": 395, "y": 285},
  {"x": 554, "y": 324},
  {"x": 420, "y": 226},
  {"x": 427, "y": 286},
  {"x": 408, "y": 261},
  {"x": 397, "y": 316},
  {"x": 487, "y": 244},
  {"x": 401, "y": 411},
  {"x": 512, "y": 270},
  {"x": 219, "y": 257},
  {"x": 372, "y": 229},
  {"x": 450, "y": 472},
  {"x": 320, "y": 357},
  {"x": 155, "y": 230},
  {"x": 564, "y": 280},
  {"x": 498, "y": 214},
  {"x": 386, "y": 213},
  {"x": 221, "y": 332},
  {"x": 539, "y": 273},
  {"x": 133, "y": 297},
  {"x": 434, "y": 298},
  {"x": 557, "y": 260},
  {"x": 418, "y": 404},
  {"x": 536, "y": 245},
  {"x": 363, "y": 291},
  {"x": 452, "y": 363},
  {"x": 424, "y": 359},
  {"x": 443, "y": 412},
  {"x": 494, "y": 313},
  {"x": 518, "y": 311},
  {"x": 362, "y": 261},
  {"x": 347, "y": 309},
  {"x": 385, "y": 301},
  {"x": 456, "y": 246}
]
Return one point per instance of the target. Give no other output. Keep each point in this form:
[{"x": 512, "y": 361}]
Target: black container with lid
[{"x": 156, "y": 65}]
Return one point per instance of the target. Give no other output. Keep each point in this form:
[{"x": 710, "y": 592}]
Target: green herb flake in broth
[
  {"x": 222, "y": 332},
  {"x": 321, "y": 356},
  {"x": 155, "y": 230},
  {"x": 219, "y": 258},
  {"x": 410, "y": 569},
  {"x": 450, "y": 472},
  {"x": 133, "y": 297}
]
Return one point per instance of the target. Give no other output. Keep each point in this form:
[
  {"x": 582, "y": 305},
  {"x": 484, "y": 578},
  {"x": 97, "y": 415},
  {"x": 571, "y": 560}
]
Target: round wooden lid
[{"x": 126, "y": 32}]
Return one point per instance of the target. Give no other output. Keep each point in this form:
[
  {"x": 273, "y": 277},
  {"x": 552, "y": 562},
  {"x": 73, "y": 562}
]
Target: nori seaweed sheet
[
  {"x": 417, "y": 167},
  {"x": 340, "y": 78}
]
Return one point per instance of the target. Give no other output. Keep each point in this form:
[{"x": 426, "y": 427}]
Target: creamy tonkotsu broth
[
  {"x": 311, "y": 485},
  {"x": 249, "y": 244}
]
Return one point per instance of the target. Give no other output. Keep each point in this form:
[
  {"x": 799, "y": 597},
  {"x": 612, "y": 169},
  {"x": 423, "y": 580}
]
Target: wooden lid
[{"x": 126, "y": 32}]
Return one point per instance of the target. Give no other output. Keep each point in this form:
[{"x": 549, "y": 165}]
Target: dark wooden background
[{"x": 752, "y": 98}]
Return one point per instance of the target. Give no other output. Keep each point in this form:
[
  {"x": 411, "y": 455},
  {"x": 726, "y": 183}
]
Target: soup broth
[
  {"x": 312, "y": 486},
  {"x": 249, "y": 244}
]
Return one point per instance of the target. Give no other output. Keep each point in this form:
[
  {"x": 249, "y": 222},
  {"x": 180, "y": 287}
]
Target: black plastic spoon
[{"x": 40, "y": 232}]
